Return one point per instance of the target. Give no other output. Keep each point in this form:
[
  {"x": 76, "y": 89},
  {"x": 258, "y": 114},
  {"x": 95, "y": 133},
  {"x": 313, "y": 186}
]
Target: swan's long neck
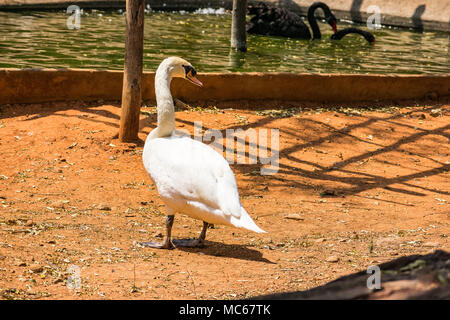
[
  {"x": 312, "y": 19},
  {"x": 342, "y": 33},
  {"x": 164, "y": 102}
]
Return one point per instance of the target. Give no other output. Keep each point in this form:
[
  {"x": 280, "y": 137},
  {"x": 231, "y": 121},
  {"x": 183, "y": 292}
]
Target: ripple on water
[{"x": 42, "y": 39}]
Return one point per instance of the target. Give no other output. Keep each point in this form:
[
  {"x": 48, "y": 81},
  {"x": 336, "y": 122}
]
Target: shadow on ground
[
  {"x": 235, "y": 251},
  {"x": 355, "y": 182},
  {"x": 409, "y": 277}
]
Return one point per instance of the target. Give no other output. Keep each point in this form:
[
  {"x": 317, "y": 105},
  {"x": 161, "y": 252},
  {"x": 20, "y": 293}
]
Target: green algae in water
[{"x": 42, "y": 39}]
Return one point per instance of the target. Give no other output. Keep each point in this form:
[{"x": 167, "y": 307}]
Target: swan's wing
[{"x": 188, "y": 170}]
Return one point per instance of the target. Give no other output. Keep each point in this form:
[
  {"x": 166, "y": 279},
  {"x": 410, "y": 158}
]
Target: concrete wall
[
  {"x": 30, "y": 85},
  {"x": 419, "y": 14}
]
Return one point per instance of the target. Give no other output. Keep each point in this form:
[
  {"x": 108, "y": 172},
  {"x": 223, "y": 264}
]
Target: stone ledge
[{"x": 44, "y": 85}]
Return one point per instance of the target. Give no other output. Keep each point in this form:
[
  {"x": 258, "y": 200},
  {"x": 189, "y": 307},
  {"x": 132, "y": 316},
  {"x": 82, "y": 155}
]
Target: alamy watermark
[
  {"x": 74, "y": 21},
  {"x": 74, "y": 280},
  {"x": 374, "y": 281},
  {"x": 374, "y": 20},
  {"x": 262, "y": 144}
]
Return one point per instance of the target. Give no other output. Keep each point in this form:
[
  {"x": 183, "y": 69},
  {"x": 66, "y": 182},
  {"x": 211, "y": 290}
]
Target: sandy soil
[{"x": 355, "y": 187}]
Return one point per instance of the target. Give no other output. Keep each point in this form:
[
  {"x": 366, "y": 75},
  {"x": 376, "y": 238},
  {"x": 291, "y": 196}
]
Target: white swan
[{"x": 191, "y": 177}]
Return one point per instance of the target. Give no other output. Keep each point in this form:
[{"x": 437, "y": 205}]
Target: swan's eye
[{"x": 190, "y": 71}]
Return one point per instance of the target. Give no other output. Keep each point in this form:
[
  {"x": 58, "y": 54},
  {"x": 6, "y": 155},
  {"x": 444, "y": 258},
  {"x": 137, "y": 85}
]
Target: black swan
[
  {"x": 281, "y": 22},
  {"x": 340, "y": 34}
]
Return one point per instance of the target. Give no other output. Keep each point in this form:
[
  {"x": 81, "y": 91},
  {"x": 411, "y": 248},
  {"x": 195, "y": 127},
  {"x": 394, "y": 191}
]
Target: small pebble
[
  {"x": 332, "y": 259},
  {"x": 36, "y": 268},
  {"x": 60, "y": 203},
  {"x": 104, "y": 207},
  {"x": 431, "y": 244},
  {"x": 294, "y": 216}
]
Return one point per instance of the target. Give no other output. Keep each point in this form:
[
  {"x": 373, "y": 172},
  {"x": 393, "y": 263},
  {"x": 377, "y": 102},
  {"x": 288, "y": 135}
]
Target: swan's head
[
  {"x": 180, "y": 68},
  {"x": 332, "y": 21}
]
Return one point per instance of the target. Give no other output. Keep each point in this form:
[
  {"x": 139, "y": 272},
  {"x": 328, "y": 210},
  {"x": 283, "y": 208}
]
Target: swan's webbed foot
[
  {"x": 193, "y": 243},
  {"x": 167, "y": 244}
]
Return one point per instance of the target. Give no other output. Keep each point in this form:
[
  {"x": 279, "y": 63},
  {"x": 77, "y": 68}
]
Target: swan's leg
[
  {"x": 192, "y": 243},
  {"x": 203, "y": 233},
  {"x": 167, "y": 243}
]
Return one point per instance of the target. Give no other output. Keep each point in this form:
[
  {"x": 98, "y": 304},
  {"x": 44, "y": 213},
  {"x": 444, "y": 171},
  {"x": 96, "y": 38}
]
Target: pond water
[{"x": 42, "y": 39}]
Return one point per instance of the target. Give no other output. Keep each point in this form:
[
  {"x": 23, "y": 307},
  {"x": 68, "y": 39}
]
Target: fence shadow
[
  {"x": 235, "y": 251},
  {"x": 291, "y": 167},
  {"x": 356, "y": 181}
]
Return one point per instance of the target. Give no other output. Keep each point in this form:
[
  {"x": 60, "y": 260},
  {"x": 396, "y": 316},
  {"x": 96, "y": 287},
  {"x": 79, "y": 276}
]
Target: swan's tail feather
[{"x": 246, "y": 222}]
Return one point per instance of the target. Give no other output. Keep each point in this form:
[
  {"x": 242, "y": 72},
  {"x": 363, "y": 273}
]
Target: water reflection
[
  {"x": 236, "y": 60},
  {"x": 42, "y": 39}
]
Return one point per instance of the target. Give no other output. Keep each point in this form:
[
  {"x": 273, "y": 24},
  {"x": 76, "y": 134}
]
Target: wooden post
[
  {"x": 132, "y": 73},
  {"x": 238, "y": 31}
]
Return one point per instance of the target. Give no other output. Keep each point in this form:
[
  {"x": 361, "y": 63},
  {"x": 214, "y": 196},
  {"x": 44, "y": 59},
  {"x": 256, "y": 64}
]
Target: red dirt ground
[{"x": 356, "y": 187}]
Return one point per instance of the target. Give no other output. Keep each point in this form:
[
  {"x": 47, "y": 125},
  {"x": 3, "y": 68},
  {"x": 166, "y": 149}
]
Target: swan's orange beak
[{"x": 193, "y": 79}]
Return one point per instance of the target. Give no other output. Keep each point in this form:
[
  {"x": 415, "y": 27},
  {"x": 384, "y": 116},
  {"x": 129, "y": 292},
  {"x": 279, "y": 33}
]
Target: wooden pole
[
  {"x": 238, "y": 31},
  {"x": 132, "y": 73}
]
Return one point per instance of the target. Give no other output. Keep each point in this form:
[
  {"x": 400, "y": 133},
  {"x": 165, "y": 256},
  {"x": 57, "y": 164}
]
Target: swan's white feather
[{"x": 194, "y": 179}]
